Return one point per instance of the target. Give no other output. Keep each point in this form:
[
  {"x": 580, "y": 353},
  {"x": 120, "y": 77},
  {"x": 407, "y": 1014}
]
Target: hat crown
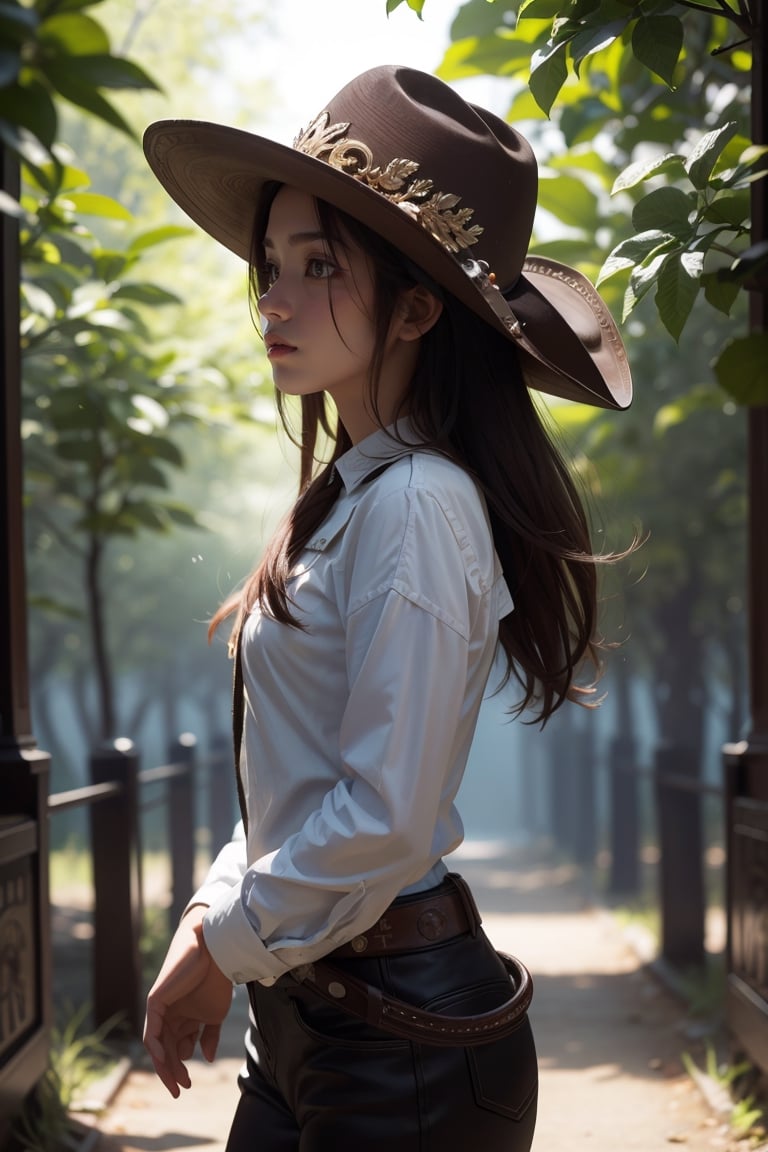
[
  {"x": 470, "y": 158},
  {"x": 450, "y": 185}
]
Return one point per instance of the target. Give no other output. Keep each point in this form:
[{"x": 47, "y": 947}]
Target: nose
[{"x": 274, "y": 303}]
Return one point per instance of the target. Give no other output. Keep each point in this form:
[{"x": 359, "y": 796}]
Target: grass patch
[{"x": 76, "y": 1061}]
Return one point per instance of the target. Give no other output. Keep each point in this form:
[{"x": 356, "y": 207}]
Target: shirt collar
[{"x": 382, "y": 447}]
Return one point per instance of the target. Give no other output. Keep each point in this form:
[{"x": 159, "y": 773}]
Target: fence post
[
  {"x": 221, "y": 791},
  {"x": 562, "y": 786},
  {"x": 181, "y": 824},
  {"x": 584, "y": 814},
  {"x": 117, "y": 913},
  {"x": 681, "y": 874},
  {"x": 624, "y": 878}
]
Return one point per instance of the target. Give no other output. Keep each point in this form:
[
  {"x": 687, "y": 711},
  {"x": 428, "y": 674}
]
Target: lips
[{"x": 276, "y": 345}]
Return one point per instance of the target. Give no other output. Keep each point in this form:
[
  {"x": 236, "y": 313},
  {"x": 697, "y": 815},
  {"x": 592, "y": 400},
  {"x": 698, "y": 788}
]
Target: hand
[{"x": 187, "y": 1003}]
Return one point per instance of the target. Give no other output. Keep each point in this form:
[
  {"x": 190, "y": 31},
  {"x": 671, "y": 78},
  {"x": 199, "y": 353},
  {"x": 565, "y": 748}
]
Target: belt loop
[{"x": 467, "y": 899}]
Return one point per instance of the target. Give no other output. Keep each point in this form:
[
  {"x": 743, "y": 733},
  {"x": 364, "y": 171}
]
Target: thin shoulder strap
[
  {"x": 238, "y": 695},
  {"x": 238, "y": 719}
]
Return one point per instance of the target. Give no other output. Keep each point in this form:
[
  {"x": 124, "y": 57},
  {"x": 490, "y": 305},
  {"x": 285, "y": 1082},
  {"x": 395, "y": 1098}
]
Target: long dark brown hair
[{"x": 468, "y": 401}]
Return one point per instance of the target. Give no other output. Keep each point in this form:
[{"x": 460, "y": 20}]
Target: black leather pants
[{"x": 326, "y": 1082}]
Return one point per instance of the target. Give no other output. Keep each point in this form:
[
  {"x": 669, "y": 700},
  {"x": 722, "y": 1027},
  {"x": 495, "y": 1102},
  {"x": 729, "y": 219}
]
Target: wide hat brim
[{"x": 569, "y": 344}]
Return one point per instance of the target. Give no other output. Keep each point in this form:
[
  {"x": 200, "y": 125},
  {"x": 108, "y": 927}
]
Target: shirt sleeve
[
  {"x": 409, "y": 609},
  {"x": 225, "y": 873}
]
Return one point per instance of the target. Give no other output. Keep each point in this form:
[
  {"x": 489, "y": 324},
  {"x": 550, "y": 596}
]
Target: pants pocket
[{"x": 504, "y": 1074}]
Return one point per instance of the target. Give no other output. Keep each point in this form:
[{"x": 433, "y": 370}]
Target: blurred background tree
[{"x": 124, "y": 381}]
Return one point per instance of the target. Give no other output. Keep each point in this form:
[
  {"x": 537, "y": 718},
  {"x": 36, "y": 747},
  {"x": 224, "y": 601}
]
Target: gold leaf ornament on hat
[{"x": 438, "y": 215}]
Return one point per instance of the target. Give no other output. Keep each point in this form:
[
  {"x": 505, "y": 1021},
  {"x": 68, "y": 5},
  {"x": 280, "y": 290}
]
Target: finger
[
  {"x": 171, "y": 1079},
  {"x": 153, "y": 1028},
  {"x": 186, "y": 1044},
  {"x": 209, "y": 1041},
  {"x": 167, "y": 1043},
  {"x": 172, "y": 1070}
]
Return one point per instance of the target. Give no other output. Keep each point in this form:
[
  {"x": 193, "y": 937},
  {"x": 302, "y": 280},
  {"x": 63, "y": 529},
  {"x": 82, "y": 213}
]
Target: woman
[{"x": 388, "y": 260}]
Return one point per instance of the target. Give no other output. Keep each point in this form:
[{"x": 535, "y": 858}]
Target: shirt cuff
[{"x": 234, "y": 945}]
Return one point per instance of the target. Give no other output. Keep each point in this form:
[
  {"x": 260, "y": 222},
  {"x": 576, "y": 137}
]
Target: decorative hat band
[{"x": 436, "y": 212}]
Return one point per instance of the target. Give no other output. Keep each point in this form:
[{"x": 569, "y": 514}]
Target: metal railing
[{"x": 118, "y": 797}]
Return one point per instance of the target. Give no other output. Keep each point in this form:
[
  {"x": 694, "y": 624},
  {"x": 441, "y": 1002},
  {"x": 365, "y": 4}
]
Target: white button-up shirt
[{"x": 358, "y": 726}]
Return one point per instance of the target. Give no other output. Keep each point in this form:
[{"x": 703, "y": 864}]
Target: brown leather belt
[{"x": 416, "y": 922}]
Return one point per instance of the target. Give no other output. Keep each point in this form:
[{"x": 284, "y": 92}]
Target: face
[{"x": 317, "y": 312}]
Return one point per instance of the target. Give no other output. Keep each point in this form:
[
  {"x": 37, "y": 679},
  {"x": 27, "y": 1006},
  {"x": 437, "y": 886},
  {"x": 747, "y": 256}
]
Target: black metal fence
[
  {"x": 117, "y": 801},
  {"x": 661, "y": 819}
]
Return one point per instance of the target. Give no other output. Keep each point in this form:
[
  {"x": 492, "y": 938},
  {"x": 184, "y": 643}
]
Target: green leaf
[
  {"x": 730, "y": 207},
  {"x": 549, "y": 72},
  {"x": 594, "y": 39},
  {"x": 540, "y": 9},
  {"x": 163, "y": 449},
  {"x": 568, "y": 250},
  {"x": 84, "y": 96},
  {"x": 665, "y": 209},
  {"x": 107, "y": 71},
  {"x": 94, "y": 204},
  {"x": 641, "y": 280},
  {"x": 146, "y": 294},
  {"x": 570, "y": 200},
  {"x": 677, "y": 289},
  {"x": 110, "y": 266},
  {"x": 158, "y": 236},
  {"x": 524, "y": 107},
  {"x": 487, "y": 55},
  {"x": 479, "y": 18},
  {"x": 85, "y": 450},
  {"x": 643, "y": 170},
  {"x": 182, "y": 516},
  {"x": 30, "y": 106},
  {"x": 704, "y": 156},
  {"x": 635, "y": 250},
  {"x": 721, "y": 294},
  {"x": 583, "y": 119},
  {"x": 145, "y": 472},
  {"x": 657, "y": 42},
  {"x": 76, "y": 34},
  {"x": 742, "y": 369},
  {"x": 38, "y": 300},
  {"x": 415, "y": 5}
]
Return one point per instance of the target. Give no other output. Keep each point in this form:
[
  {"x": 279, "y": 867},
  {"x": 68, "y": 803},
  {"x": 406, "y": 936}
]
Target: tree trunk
[{"x": 96, "y": 622}]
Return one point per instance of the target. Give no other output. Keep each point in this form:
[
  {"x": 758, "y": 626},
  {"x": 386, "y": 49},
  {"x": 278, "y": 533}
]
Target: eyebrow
[{"x": 297, "y": 238}]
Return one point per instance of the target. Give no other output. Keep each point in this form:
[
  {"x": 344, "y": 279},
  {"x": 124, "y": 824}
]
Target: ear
[{"x": 417, "y": 311}]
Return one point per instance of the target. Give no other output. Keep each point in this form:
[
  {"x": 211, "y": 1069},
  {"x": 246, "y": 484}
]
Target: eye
[
  {"x": 269, "y": 273},
  {"x": 318, "y": 268}
]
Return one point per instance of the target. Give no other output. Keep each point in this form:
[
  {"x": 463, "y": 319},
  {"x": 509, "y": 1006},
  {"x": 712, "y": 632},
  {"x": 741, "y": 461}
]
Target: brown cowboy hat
[{"x": 449, "y": 184}]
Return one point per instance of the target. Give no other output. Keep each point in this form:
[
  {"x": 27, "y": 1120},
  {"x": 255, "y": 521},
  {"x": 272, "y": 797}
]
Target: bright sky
[
  {"x": 321, "y": 44},
  {"x": 317, "y": 46}
]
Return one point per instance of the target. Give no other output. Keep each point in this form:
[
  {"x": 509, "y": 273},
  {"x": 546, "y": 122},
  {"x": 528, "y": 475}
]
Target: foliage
[
  {"x": 742, "y": 1108},
  {"x": 635, "y": 80},
  {"x": 619, "y": 142},
  {"x": 52, "y": 50},
  {"x": 76, "y": 1060},
  {"x": 107, "y": 384},
  {"x": 416, "y": 5},
  {"x": 101, "y": 409}
]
